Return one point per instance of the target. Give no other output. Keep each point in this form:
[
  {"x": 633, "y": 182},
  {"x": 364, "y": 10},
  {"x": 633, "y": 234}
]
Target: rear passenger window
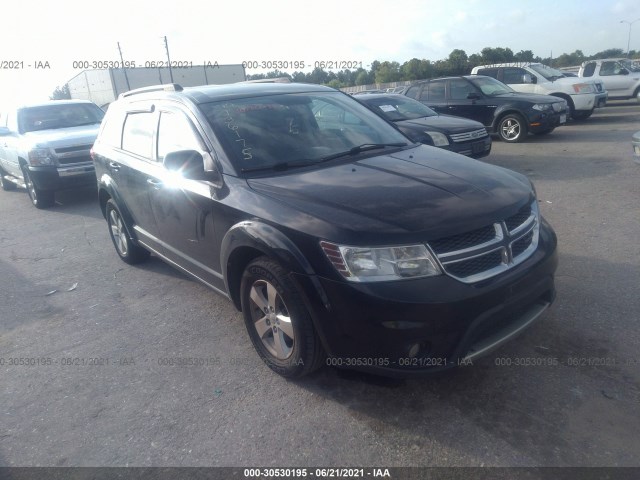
[
  {"x": 513, "y": 75},
  {"x": 112, "y": 131},
  {"x": 589, "y": 70},
  {"x": 489, "y": 72},
  {"x": 137, "y": 133},
  {"x": 436, "y": 92}
]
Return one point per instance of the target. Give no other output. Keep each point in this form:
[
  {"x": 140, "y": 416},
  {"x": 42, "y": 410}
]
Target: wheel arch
[
  {"x": 566, "y": 98},
  {"x": 248, "y": 240}
]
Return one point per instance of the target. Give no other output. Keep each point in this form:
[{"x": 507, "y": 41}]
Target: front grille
[
  {"x": 487, "y": 251},
  {"x": 467, "y": 136},
  {"x": 464, "y": 240},
  {"x": 75, "y": 148},
  {"x": 515, "y": 221},
  {"x": 519, "y": 246},
  {"x": 475, "y": 266},
  {"x": 75, "y": 159}
]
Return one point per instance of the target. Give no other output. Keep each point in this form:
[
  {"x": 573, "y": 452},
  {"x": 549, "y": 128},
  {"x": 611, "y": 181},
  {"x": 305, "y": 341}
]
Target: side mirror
[
  {"x": 623, "y": 71},
  {"x": 473, "y": 96},
  {"x": 4, "y": 132},
  {"x": 527, "y": 78},
  {"x": 189, "y": 163}
]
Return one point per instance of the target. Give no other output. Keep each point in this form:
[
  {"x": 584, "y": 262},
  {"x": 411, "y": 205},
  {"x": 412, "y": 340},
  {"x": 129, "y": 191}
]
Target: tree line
[{"x": 457, "y": 63}]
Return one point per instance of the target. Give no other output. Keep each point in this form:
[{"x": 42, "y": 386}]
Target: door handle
[
  {"x": 114, "y": 166},
  {"x": 155, "y": 183}
]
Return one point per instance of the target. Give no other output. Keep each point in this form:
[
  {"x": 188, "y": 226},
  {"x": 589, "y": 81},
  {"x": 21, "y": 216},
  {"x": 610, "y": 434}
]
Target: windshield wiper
[{"x": 361, "y": 148}]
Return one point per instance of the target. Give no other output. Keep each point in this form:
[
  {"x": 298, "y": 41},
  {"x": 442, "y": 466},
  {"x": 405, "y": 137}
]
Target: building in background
[{"x": 103, "y": 86}]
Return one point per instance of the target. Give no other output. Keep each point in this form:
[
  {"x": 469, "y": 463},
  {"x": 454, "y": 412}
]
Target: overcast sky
[{"x": 65, "y": 31}]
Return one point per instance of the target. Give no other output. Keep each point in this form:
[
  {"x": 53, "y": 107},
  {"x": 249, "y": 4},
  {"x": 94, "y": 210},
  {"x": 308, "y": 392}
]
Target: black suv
[
  {"x": 337, "y": 241},
  {"x": 498, "y": 107}
]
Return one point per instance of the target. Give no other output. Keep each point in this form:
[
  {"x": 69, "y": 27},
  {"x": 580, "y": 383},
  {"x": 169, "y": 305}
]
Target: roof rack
[
  {"x": 168, "y": 87},
  {"x": 269, "y": 80}
]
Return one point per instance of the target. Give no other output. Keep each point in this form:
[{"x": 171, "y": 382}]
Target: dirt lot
[{"x": 103, "y": 392}]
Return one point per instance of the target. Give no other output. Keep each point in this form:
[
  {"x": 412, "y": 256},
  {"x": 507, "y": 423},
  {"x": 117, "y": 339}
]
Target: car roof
[
  {"x": 373, "y": 96},
  {"x": 467, "y": 77},
  {"x": 211, "y": 93},
  {"x": 508, "y": 64},
  {"x": 53, "y": 102}
]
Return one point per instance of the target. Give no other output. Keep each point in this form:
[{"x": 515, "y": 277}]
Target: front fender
[{"x": 262, "y": 237}]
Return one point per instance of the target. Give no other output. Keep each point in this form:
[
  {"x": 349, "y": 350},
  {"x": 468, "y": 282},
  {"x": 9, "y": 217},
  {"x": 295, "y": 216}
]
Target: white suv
[{"x": 582, "y": 95}]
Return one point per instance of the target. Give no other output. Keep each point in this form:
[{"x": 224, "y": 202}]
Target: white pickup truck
[
  {"x": 582, "y": 95},
  {"x": 620, "y": 76}
]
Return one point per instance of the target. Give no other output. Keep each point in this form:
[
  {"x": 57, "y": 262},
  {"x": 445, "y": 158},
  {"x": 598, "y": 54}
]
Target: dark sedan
[{"x": 421, "y": 124}]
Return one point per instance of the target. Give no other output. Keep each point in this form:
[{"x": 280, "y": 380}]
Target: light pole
[{"x": 629, "y": 39}]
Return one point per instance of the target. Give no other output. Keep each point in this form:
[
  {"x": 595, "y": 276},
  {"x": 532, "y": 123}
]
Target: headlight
[
  {"x": 40, "y": 156},
  {"x": 583, "y": 88},
  {"x": 364, "y": 264},
  {"x": 543, "y": 107},
  {"x": 439, "y": 139}
]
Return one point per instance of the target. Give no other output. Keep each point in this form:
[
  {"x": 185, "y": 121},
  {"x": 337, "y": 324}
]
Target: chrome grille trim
[
  {"x": 524, "y": 237},
  {"x": 467, "y": 136}
]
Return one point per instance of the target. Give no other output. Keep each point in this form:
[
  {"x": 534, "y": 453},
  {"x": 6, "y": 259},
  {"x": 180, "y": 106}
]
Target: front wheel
[
  {"x": 127, "y": 251},
  {"x": 512, "y": 128},
  {"x": 278, "y": 321},
  {"x": 39, "y": 198}
]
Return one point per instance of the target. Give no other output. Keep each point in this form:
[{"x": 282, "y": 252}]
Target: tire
[
  {"x": 127, "y": 251},
  {"x": 39, "y": 198},
  {"x": 545, "y": 132},
  {"x": 512, "y": 128},
  {"x": 278, "y": 321},
  {"x": 6, "y": 185},
  {"x": 581, "y": 115}
]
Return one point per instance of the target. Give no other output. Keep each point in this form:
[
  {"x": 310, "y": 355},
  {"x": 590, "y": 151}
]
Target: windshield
[
  {"x": 549, "y": 73},
  {"x": 396, "y": 108},
  {"x": 63, "y": 115},
  {"x": 271, "y": 131},
  {"x": 490, "y": 86}
]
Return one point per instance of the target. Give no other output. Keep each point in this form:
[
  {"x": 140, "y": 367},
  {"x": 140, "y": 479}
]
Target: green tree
[
  {"x": 458, "y": 62},
  {"x": 496, "y": 55},
  {"x": 388, "y": 72},
  {"x": 362, "y": 78},
  {"x": 61, "y": 93},
  {"x": 524, "y": 56}
]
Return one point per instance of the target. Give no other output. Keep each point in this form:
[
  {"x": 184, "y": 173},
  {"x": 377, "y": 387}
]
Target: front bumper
[
  {"x": 540, "y": 122},
  {"x": 476, "y": 149},
  {"x": 584, "y": 101},
  {"x": 601, "y": 99},
  {"x": 415, "y": 327},
  {"x": 60, "y": 178}
]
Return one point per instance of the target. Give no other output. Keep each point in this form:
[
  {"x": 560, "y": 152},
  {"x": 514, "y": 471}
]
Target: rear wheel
[
  {"x": 512, "y": 128},
  {"x": 39, "y": 198},
  {"x": 127, "y": 251},
  {"x": 6, "y": 184},
  {"x": 278, "y": 321}
]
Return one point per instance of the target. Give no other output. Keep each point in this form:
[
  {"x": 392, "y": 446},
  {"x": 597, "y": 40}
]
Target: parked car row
[{"x": 335, "y": 234}]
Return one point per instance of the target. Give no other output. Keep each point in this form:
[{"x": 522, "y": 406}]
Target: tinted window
[
  {"x": 414, "y": 92},
  {"x": 137, "y": 133},
  {"x": 490, "y": 86},
  {"x": 175, "y": 132},
  {"x": 589, "y": 70},
  {"x": 436, "y": 92},
  {"x": 490, "y": 72},
  {"x": 63, "y": 115},
  {"x": 460, "y": 89},
  {"x": 513, "y": 75}
]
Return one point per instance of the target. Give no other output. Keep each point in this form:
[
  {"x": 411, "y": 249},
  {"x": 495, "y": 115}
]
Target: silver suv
[{"x": 46, "y": 147}]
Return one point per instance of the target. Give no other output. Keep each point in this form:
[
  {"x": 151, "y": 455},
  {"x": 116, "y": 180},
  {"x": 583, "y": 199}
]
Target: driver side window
[{"x": 175, "y": 133}]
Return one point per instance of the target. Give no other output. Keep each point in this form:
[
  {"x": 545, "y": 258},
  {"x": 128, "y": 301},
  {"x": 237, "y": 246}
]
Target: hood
[
  {"x": 425, "y": 192},
  {"x": 442, "y": 123},
  {"x": 62, "y": 137}
]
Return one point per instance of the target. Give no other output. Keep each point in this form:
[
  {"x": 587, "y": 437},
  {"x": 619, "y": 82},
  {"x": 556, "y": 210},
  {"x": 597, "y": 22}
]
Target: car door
[
  {"x": 519, "y": 79},
  {"x": 184, "y": 208},
  {"x": 465, "y": 100},
  {"x": 133, "y": 168},
  {"x": 434, "y": 95},
  {"x": 616, "y": 82}
]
